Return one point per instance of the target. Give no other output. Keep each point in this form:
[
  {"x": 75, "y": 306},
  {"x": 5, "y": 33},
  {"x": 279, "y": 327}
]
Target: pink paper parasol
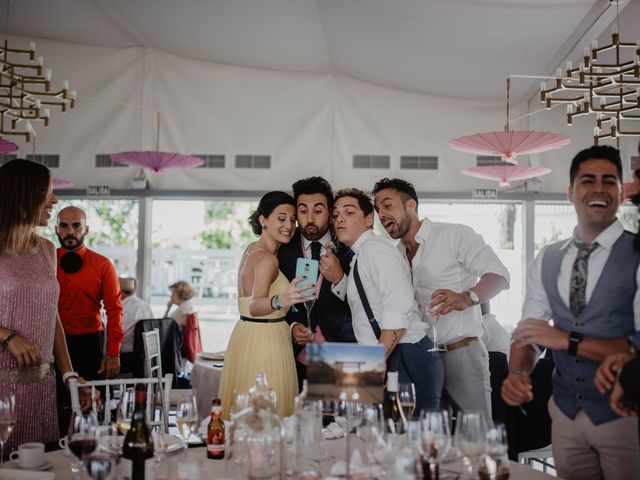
[
  {"x": 506, "y": 173},
  {"x": 59, "y": 183},
  {"x": 159, "y": 162},
  {"x": 509, "y": 144},
  {"x": 7, "y": 147}
]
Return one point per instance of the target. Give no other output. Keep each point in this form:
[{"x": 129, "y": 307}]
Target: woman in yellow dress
[{"x": 261, "y": 341}]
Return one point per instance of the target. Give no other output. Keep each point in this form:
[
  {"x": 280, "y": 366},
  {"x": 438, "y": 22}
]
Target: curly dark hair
[
  {"x": 604, "y": 152},
  {"x": 311, "y": 185},
  {"x": 363, "y": 198},
  {"x": 398, "y": 184},
  {"x": 268, "y": 204}
]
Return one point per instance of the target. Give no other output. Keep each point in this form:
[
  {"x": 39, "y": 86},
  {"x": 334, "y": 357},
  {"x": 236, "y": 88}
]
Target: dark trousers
[
  {"x": 415, "y": 364},
  {"x": 127, "y": 362},
  {"x": 86, "y": 353}
]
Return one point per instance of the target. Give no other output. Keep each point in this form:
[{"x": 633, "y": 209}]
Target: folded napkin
[
  {"x": 339, "y": 469},
  {"x": 333, "y": 431}
]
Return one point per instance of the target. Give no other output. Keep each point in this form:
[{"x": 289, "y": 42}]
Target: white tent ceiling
[{"x": 455, "y": 48}]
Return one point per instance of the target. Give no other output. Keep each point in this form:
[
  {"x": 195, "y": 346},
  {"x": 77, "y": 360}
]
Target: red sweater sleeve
[{"x": 113, "y": 307}]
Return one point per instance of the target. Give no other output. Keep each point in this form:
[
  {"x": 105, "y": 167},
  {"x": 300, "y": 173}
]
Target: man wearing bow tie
[{"x": 330, "y": 316}]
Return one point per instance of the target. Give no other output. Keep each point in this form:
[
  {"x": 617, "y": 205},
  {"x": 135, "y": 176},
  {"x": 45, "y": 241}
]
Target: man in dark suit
[{"x": 330, "y": 316}]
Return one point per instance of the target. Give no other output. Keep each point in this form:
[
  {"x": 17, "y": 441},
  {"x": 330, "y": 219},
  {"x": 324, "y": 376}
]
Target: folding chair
[
  {"x": 153, "y": 368},
  {"x": 120, "y": 384}
]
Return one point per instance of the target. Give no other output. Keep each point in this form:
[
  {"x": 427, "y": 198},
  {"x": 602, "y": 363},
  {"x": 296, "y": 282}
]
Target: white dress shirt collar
[
  {"x": 605, "y": 239},
  {"x": 306, "y": 244},
  {"x": 357, "y": 245}
]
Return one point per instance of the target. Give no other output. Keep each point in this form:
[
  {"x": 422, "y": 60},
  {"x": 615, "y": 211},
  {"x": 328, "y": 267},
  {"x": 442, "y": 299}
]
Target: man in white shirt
[
  {"x": 133, "y": 309},
  {"x": 588, "y": 285},
  {"x": 393, "y": 319},
  {"x": 453, "y": 272}
]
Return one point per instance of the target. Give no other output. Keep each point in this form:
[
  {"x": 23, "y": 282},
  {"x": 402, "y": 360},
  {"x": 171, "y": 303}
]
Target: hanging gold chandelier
[
  {"x": 25, "y": 92},
  {"x": 605, "y": 83}
]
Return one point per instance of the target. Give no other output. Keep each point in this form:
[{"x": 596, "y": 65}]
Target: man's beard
[
  {"x": 313, "y": 236},
  {"x": 77, "y": 242}
]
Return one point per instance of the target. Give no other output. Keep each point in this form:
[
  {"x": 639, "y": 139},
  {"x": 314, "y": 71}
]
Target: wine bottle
[
  {"x": 138, "y": 445},
  {"x": 394, "y": 419},
  {"x": 215, "y": 432}
]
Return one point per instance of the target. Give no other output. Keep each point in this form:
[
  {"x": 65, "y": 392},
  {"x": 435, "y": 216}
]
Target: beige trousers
[{"x": 584, "y": 451}]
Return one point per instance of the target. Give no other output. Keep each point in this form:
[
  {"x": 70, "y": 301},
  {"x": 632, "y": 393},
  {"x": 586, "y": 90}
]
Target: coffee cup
[
  {"x": 29, "y": 455},
  {"x": 64, "y": 445}
]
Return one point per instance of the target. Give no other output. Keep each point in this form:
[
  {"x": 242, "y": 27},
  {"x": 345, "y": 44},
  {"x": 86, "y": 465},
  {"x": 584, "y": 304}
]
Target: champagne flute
[
  {"x": 436, "y": 437},
  {"x": 186, "y": 416},
  {"x": 407, "y": 393},
  {"x": 433, "y": 321},
  {"x": 126, "y": 406},
  {"x": 309, "y": 302},
  {"x": 7, "y": 420}
]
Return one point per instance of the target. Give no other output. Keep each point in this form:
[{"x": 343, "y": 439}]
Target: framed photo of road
[{"x": 334, "y": 368}]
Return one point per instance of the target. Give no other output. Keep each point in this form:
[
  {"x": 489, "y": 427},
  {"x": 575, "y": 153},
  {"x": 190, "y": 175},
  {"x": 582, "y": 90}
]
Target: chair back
[
  {"x": 156, "y": 415},
  {"x": 152, "y": 357},
  {"x": 170, "y": 346}
]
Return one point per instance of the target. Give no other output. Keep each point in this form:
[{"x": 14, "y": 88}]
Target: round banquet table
[
  {"x": 196, "y": 465},
  {"x": 205, "y": 379}
]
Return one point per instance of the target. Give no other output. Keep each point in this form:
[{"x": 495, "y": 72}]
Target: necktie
[
  {"x": 315, "y": 250},
  {"x": 348, "y": 255},
  {"x": 578, "y": 288}
]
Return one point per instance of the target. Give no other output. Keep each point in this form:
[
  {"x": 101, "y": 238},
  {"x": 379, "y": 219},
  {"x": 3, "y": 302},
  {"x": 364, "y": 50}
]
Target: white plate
[
  {"x": 45, "y": 466},
  {"x": 212, "y": 355}
]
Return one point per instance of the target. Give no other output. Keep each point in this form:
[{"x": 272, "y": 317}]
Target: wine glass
[
  {"x": 126, "y": 406},
  {"x": 433, "y": 321},
  {"x": 495, "y": 447},
  {"x": 81, "y": 438},
  {"x": 186, "y": 416},
  {"x": 7, "y": 420},
  {"x": 436, "y": 437},
  {"x": 101, "y": 463},
  {"x": 470, "y": 436},
  {"x": 407, "y": 394}
]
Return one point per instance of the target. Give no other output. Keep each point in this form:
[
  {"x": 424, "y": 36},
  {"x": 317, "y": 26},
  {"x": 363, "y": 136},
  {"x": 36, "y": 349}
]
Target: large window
[
  {"x": 113, "y": 230},
  {"x": 500, "y": 224},
  {"x": 201, "y": 242}
]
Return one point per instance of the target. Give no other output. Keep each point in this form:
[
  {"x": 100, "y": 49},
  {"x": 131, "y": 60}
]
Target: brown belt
[{"x": 463, "y": 342}]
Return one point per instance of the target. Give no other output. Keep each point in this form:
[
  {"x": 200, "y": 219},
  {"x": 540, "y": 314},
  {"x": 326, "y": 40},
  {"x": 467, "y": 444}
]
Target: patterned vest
[{"x": 609, "y": 314}]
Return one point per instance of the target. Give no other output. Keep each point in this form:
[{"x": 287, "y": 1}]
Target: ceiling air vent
[
  {"x": 104, "y": 161},
  {"x": 49, "y": 161},
  {"x": 211, "y": 161},
  {"x": 419, "y": 162},
  {"x": 253, "y": 161},
  {"x": 487, "y": 160},
  {"x": 371, "y": 161}
]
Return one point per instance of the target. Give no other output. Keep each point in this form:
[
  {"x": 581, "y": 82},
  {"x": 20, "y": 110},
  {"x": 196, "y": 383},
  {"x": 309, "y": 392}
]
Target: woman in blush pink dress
[{"x": 31, "y": 335}]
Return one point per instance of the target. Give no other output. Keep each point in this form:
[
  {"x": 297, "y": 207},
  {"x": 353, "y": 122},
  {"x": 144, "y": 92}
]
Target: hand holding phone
[{"x": 307, "y": 268}]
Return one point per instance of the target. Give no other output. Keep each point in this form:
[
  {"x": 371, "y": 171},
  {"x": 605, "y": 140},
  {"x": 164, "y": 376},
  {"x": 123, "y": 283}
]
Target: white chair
[
  {"x": 154, "y": 386},
  {"x": 543, "y": 456},
  {"x": 153, "y": 369}
]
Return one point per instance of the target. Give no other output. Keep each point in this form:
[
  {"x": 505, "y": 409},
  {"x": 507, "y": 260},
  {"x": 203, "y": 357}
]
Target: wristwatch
[
  {"x": 574, "y": 339},
  {"x": 473, "y": 296}
]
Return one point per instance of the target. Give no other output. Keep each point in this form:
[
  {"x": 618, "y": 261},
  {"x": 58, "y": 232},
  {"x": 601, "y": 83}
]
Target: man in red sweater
[{"x": 87, "y": 281}]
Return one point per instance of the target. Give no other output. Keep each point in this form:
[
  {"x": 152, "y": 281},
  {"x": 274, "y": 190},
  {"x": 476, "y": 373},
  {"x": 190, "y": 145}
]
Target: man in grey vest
[{"x": 588, "y": 285}]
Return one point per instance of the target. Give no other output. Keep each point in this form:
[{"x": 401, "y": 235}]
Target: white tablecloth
[
  {"x": 205, "y": 378},
  {"x": 196, "y": 465}
]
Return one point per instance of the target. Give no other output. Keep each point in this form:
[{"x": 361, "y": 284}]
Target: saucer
[{"x": 45, "y": 466}]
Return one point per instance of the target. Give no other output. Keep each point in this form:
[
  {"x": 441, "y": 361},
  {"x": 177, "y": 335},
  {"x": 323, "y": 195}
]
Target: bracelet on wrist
[
  {"x": 520, "y": 373},
  {"x": 276, "y": 302},
  {"x": 5, "y": 342},
  {"x": 67, "y": 375}
]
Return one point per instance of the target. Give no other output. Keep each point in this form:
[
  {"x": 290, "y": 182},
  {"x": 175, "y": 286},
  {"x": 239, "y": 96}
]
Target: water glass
[
  {"x": 308, "y": 438},
  {"x": 124, "y": 412},
  {"x": 470, "y": 437},
  {"x": 436, "y": 437},
  {"x": 101, "y": 463},
  {"x": 186, "y": 416},
  {"x": 495, "y": 449},
  {"x": 407, "y": 394},
  {"x": 7, "y": 420}
]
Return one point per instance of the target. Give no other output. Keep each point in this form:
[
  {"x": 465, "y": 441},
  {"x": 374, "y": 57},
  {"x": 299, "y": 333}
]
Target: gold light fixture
[
  {"x": 606, "y": 83},
  {"x": 25, "y": 91}
]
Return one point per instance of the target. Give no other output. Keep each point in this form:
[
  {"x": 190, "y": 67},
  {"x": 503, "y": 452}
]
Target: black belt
[{"x": 262, "y": 320}]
